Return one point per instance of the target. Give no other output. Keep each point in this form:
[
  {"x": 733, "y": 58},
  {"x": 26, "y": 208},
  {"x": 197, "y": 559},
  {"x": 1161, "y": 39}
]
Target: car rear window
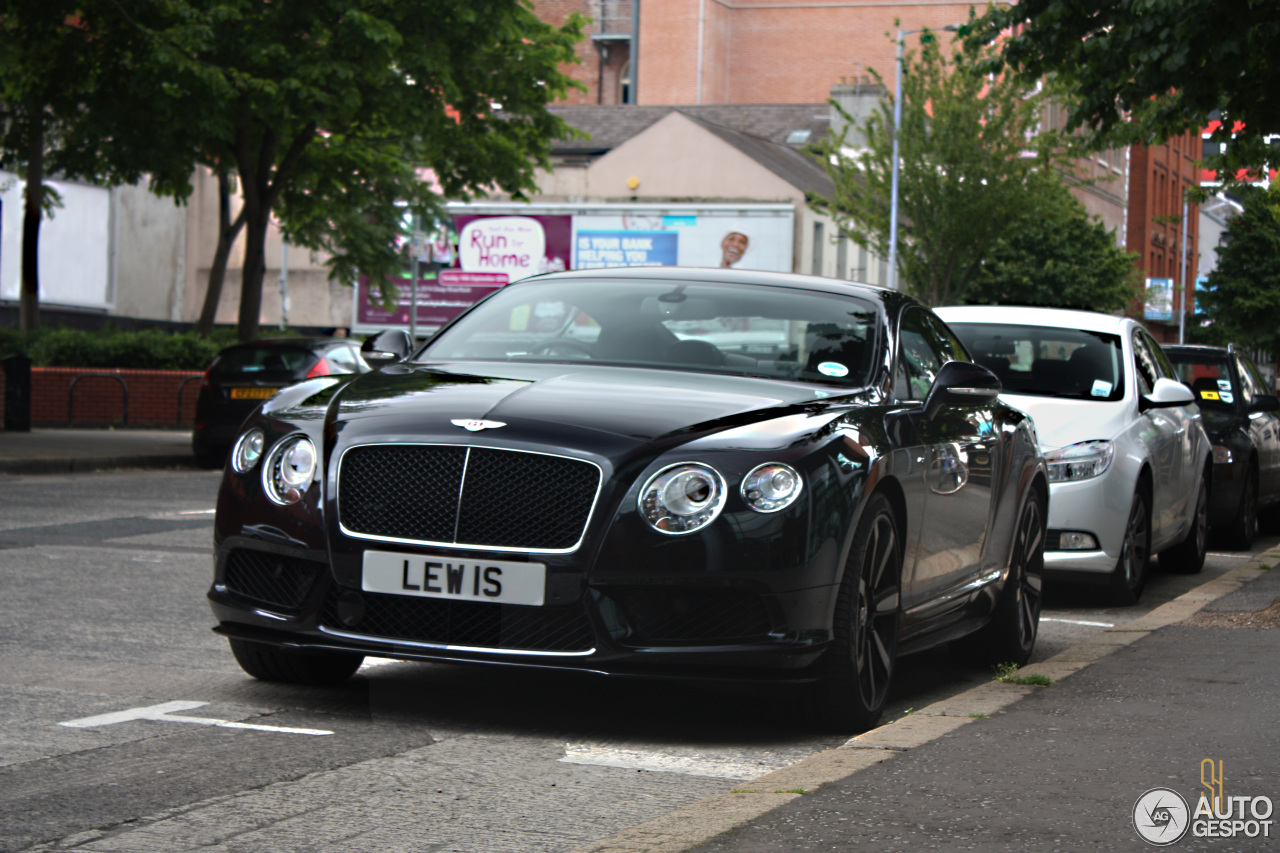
[
  {"x": 255, "y": 361},
  {"x": 1048, "y": 362}
]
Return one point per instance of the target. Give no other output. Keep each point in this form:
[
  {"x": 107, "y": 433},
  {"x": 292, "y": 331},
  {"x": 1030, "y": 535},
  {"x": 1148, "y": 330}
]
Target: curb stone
[{"x": 699, "y": 822}]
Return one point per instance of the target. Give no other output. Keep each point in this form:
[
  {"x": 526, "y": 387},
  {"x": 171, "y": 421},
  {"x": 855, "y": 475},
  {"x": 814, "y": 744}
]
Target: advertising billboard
[{"x": 494, "y": 244}]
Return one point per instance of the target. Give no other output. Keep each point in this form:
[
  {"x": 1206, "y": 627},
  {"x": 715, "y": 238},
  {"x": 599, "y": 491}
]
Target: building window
[
  {"x": 842, "y": 256},
  {"x": 817, "y": 248}
]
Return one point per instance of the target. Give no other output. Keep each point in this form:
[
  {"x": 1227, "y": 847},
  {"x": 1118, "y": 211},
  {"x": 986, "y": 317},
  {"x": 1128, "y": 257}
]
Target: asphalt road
[{"x": 103, "y": 624}]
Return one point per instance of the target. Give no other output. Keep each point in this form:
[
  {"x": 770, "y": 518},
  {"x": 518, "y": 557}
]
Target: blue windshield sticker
[
  {"x": 833, "y": 368},
  {"x": 1101, "y": 388}
]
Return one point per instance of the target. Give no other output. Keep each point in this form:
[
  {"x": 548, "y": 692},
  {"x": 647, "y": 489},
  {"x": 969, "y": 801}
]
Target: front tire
[
  {"x": 856, "y": 673},
  {"x": 1187, "y": 557},
  {"x": 1010, "y": 636},
  {"x": 1130, "y": 574},
  {"x": 293, "y": 666},
  {"x": 1239, "y": 535}
]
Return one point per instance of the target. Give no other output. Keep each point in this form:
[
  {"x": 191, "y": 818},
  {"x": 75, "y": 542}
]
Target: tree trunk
[
  {"x": 255, "y": 267},
  {"x": 29, "y": 301},
  {"x": 227, "y": 231}
]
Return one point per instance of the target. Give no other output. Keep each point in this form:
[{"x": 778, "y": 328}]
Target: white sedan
[{"x": 1129, "y": 461}]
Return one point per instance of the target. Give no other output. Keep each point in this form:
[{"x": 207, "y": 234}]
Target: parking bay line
[
  {"x": 1077, "y": 622},
  {"x": 164, "y": 712}
]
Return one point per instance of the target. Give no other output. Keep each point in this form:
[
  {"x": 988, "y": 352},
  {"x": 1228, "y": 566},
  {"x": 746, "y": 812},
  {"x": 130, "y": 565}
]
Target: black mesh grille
[
  {"x": 1052, "y": 540},
  {"x": 681, "y": 615},
  {"x": 509, "y": 499},
  {"x": 466, "y": 623},
  {"x": 271, "y": 579},
  {"x": 403, "y": 491}
]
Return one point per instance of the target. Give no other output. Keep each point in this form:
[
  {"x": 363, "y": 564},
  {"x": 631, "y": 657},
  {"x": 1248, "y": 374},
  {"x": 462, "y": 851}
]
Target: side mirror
[
  {"x": 387, "y": 347},
  {"x": 1265, "y": 403},
  {"x": 961, "y": 383},
  {"x": 1166, "y": 394}
]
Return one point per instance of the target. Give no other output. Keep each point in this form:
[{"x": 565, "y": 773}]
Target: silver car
[{"x": 1129, "y": 461}]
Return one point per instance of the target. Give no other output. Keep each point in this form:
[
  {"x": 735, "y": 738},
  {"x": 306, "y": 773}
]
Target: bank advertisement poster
[{"x": 494, "y": 249}]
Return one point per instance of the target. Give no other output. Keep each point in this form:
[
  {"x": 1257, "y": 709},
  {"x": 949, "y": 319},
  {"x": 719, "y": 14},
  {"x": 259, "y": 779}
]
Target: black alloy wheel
[
  {"x": 857, "y": 672},
  {"x": 1187, "y": 557},
  {"x": 1010, "y": 636},
  {"x": 1130, "y": 574},
  {"x": 294, "y": 666},
  {"x": 1243, "y": 529}
]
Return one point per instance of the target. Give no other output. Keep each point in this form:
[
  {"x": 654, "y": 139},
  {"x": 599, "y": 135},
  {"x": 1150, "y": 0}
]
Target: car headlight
[
  {"x": 248, "y": 450},
  {"x": 682, "y": 498},
  {"x": 1081, "y": 461},
  {"x": 289, "y": 469},
  {"x": 771, "y": 487}
]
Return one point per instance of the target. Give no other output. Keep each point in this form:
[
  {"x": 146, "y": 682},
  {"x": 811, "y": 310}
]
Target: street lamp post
[{"x": 897, "y": 127}]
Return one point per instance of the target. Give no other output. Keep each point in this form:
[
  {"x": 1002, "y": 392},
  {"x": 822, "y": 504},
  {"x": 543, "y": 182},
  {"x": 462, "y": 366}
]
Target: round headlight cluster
[
  {"x": 248, "y": 450},
  {"x": 290, "y": 469},
  {"x": 682, "y": 498},
  {"x": 771, "y": 487}
]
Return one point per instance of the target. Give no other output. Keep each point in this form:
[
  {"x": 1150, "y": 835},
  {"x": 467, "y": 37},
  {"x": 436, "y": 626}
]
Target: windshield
[
  {"x": 752, "y": 330},
  {"x": 1048, "y": 362},
  {"x": 1208, "y": 377}
]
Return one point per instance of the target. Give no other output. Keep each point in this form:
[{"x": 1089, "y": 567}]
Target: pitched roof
[{"x": 771, "y": 134}]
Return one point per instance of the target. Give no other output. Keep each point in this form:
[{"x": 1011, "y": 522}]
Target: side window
[
  {"x": 1162, "y": 361},
  {"x": 1249, "y": 385},
  {"x": 343, "y": 359},
  {"x": 1148, "y": 367},
  {"x": 948, "y": 343},
  {"x": 921, "y": 351}
]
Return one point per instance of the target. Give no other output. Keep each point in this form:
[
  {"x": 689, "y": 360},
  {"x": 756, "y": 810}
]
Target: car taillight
[{"x": 322, "y": 368}]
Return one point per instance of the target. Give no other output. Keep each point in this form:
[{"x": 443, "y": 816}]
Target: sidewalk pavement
[
  {"x": 1022, "y": 767},
  {"x": 1003, "y": 766},
  {"x": 52, "y": 451}
]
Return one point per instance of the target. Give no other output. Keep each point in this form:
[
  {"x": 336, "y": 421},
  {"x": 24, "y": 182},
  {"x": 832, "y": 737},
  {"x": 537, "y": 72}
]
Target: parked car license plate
[
  {"x": 252, "y": 393},
  {"x": 435, "y": 576}
]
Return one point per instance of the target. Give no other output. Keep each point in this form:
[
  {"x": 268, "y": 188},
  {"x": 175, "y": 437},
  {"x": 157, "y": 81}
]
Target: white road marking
[
  {"x": 164, "y": 712},
  {"x": 369, "y": 662},
  {"x": 661, "y": 762},
  {"x": 197, "y": 512},
  {"x": 1077, "y": 622}
]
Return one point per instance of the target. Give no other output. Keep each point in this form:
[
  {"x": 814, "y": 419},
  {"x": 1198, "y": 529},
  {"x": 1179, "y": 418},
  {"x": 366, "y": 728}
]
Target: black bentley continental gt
[{"x": 693, "y": 473}]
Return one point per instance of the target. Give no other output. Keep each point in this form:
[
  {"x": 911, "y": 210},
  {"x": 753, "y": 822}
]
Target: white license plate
[{"x": 435, "y": 576}]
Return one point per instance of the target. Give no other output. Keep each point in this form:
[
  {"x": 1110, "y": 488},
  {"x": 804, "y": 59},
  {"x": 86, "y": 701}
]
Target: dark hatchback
[
  {"x": 243, "y": 375},
  {"x": 1242, "y": 419},
  {"x": 671, "y": 472}
]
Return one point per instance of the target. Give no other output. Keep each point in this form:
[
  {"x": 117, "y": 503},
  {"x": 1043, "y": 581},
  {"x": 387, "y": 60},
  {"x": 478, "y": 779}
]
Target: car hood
[
  {"x": 552, "y": 402},
  {"x": 1060, "y": 423}
]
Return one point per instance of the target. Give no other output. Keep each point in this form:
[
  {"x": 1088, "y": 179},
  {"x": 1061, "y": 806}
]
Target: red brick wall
[{"x": 100, "y": 400}]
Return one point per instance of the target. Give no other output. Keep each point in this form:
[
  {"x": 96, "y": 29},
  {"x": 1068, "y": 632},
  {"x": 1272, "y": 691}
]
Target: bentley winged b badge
[{"x": 473, "y": 425}]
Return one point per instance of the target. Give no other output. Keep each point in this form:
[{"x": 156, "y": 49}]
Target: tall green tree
[
  {"x": 1140, "y": 72},
  {"x": 61, "y": 112},
  {"x": 327, "y": 111},
  {"x": 1056, "y": 255},
  {"x": 970, "y": 158},
  {"x": 1242, "y": 296}
]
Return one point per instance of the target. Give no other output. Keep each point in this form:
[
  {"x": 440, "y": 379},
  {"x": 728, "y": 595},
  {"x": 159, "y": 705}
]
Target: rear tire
[
  {"x": 1010, "y": 636},
  {"x": 292, "y": 666},
  {"x": 1187, "y": 557},
  {"x": 1130, "y": 574},
  {"x": 855, "y": 674}
]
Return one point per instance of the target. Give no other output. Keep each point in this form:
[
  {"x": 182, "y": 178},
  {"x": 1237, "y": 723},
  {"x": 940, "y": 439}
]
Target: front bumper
[
  {"x": 699, "y": 629},
  {"x": 1099, "y": 507}
]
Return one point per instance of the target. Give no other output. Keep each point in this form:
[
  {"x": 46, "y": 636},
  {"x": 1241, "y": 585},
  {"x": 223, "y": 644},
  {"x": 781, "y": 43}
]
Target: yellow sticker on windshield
[{"x": 1209, "y": 395}]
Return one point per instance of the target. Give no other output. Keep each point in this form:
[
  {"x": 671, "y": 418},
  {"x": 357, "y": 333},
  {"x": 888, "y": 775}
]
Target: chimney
[{"x": 858, "y": 99}]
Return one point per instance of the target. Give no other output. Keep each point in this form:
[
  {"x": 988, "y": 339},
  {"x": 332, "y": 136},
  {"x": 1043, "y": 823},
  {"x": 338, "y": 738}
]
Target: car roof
[
  {"x": 715, "y": 275},
  {"x": 286, "y": 343},
  {"x": 1017, "y": 315}
]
